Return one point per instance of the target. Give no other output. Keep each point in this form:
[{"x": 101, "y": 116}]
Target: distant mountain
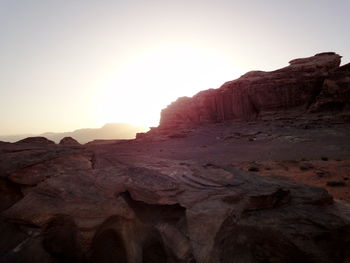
[
  {"x": 108, "y": 131},
  {"x": 14, "y": 138}
]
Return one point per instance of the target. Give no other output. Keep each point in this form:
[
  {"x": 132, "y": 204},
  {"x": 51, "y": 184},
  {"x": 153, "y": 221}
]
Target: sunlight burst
[{"x": 138, "y": 91}]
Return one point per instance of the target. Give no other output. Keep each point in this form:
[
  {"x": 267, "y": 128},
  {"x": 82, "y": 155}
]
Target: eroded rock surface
[
  {"x": 335, "y": 93},
  {"x": 99, "y": 205},
  {"x": 257, "y": 93},
  {"x": 69, "y": 141},
  {"x": 36, "y": 140}
]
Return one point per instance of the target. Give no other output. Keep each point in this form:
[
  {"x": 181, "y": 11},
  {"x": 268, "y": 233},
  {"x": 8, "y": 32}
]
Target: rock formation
[
  {"x": 335, "y": 92},
  {"x": 303, "y": 83},
  {"x": 74, "y": 205},
  {"x": 180, "y": 198},
  {"x": 36, "y": 140},
  {"x": 69, "y": 141}
]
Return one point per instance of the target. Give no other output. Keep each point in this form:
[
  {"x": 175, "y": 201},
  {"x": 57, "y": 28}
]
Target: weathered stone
[
  {"x": 157, "y": 209},
  {"x": 335, "y": 93},
  {"x": 10, "y": 194},
  {"x": 69, "y": 141},
  {"x": 255, "y": 93},
  {"x": 36, "y": 140}
]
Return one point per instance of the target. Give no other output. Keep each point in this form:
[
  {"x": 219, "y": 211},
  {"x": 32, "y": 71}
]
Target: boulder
[{"x": 69, "y": 141}]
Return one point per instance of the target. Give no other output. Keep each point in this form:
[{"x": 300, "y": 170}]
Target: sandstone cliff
[{"x": 305, "y": 82}]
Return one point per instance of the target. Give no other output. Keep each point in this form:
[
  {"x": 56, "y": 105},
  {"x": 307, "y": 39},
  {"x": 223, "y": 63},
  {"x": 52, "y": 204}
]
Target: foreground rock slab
[{"x": 96, "y": 205}]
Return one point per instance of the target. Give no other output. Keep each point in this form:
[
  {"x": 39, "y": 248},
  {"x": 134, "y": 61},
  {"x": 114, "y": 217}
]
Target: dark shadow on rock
[
  {"x": 11, "y": 236},
  {"x": 61, "y": 239},
  {"x": 22, "y": 244},
  {"x": 237, "y": 243},
  {"x": 108, "y": 247},
  {"x": 10, "y": 194},
  {"x": 153, "y": 250},
  {"x": 154, "y": 212}
]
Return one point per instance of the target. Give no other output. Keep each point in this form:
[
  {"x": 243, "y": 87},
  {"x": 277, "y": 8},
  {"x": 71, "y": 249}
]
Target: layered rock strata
[
  {"x": 71, "y": 204},
  {"x": 313, "y": 81}
]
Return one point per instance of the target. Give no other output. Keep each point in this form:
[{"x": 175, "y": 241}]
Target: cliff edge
[{"x": 307, "y": 85}]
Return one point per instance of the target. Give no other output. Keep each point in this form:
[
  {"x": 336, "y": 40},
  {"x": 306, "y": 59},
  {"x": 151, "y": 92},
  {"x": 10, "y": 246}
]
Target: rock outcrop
[
  {"x": 36, "y": 140},
  {"x": 303, "y": 83},
  {"x": 335, "y": 92},
  {"x": 69, "y": 141},
  {"x": 68, "y": 204}
]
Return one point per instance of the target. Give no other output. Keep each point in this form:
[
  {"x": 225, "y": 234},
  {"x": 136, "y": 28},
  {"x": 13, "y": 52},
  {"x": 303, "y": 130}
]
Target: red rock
[
  {"x": 335, "y": 92},
  {"x": 36, "y": 140},
  {"x": 10, "y": 194},
  {"x": 154, "y": 210},
  {"x": 255, "y": 93},
  {"x": 69, "y": 141}
]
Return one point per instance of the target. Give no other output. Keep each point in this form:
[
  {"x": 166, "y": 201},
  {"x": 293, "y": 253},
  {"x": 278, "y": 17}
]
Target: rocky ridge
[
  {"x": 181, "y": 197},
  {"x": 308, "y": 84},
  {"x": 69, "y": 141}
]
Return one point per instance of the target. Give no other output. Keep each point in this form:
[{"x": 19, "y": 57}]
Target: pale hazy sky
[{"x": 69, "y": 64}]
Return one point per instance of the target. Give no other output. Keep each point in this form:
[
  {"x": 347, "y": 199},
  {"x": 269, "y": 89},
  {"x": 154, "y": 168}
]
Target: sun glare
[{"x": 139, "y": 89}]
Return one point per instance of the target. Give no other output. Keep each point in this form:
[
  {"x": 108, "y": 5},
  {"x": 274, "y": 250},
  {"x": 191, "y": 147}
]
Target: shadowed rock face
[
  {"x": 100, "y": 205},
  {"x": 69, "y": 141},
  {"x": 36, "y": 140},
  {"x": 258, "y": 92},
  {"x": 60, "y": 239},
  {"x": 10, "y": 194},
  {"x": 335, "y": 92}
]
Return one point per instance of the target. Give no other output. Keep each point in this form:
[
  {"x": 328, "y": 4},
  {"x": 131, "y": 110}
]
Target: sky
[{"x": 70, "y": 64}]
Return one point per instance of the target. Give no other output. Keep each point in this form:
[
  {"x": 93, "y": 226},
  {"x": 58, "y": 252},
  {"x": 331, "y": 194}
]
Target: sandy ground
[
  {"x": 332, "y": 175},
  {"x": 313, "y": 152}
]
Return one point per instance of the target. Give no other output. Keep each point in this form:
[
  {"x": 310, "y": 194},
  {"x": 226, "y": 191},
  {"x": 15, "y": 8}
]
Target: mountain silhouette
[{"x": 108, "y": 131}]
